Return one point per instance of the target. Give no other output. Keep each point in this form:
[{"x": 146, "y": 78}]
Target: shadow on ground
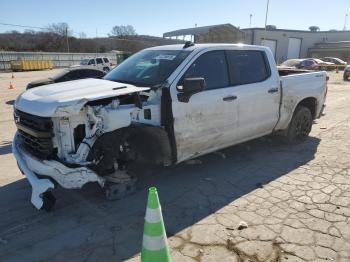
[
  {"x": 85, "y": 227},
  {"x": 5, "y": 148}
]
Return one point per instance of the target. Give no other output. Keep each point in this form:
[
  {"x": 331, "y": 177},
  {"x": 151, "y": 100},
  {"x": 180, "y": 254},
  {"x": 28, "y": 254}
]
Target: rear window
[
  {"x": 106, "y": 60},
  {"x": 99, "y": 61},
  {"x": 247, "y": 66}
]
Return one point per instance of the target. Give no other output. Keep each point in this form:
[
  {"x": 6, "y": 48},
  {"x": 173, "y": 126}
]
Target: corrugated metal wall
[{"x": 58, "y": 59}]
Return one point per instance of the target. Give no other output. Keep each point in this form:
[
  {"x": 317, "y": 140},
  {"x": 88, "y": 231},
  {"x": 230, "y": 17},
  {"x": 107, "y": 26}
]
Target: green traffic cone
[{"x": 154, "y": 244}]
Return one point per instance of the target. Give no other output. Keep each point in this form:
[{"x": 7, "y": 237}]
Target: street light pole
[
  {"x": 346, "y": 19},
  {"x": 250, "y": 20},
  {"x": 267, "y": 11}
]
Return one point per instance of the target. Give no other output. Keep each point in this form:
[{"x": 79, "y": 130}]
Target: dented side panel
[{"x": 298, "y": 87}]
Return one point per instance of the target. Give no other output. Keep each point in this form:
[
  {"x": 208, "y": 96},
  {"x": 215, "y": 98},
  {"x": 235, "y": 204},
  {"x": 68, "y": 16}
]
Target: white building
[{"x": 286, "y": 44}]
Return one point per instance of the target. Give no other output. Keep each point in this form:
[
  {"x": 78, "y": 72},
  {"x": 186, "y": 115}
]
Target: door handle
[
  {"x": 229, "y": 98},
  {"x": 273, "y": 90}
]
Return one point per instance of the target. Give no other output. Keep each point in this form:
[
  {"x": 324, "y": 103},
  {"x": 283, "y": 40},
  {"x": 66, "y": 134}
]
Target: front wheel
[{"x": 299, "y": 127}]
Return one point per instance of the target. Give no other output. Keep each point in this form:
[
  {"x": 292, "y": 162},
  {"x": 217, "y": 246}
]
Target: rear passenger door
[{"x": 257, "y": 93}]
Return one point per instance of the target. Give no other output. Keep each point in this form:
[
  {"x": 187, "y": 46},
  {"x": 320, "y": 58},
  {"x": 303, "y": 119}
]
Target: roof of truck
[{"x": 204, "y": 46}]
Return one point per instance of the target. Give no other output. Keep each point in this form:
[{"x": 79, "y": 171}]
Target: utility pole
[
  {"x": 267, "y": 11},
  {"x": 96, "y": 43},
  {"x": 250, "y": 20},
  {"x": 67, "y": 39},
  {"x": 346, "y": 19}
]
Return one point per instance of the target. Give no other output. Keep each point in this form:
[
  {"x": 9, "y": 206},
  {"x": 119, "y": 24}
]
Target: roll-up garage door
[{"x": 294, "y": 45}]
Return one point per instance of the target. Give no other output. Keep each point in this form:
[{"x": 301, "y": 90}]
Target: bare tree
[
  {"x": 82, "y": 35},
  {"x": 61, "y": 29},
  {"x": 122, "y": 30},
  {"x": 63, "y": 32}
]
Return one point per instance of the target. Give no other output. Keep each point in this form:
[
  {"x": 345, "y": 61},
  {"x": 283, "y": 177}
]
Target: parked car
[
  {"x": 68, "y": 75},
  {"x": 101, "y": 63},
  {"x": 163, "y": 105},
  {"x": 334, "y": 60},
  {"x": 346, "y": 73},
  {"x": 308, "y": 64}
]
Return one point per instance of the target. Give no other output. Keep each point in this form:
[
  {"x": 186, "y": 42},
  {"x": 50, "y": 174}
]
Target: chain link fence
[{"x": 58, "y": 59}]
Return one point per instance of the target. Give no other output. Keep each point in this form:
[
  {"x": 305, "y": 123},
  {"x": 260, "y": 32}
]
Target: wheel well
[
  {"x": 149, "y": 144},
  {"x": 311, "y": 104}
]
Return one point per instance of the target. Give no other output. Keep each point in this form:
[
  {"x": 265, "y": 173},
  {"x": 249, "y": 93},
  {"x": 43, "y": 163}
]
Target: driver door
[{"x": 206, "y": 121}]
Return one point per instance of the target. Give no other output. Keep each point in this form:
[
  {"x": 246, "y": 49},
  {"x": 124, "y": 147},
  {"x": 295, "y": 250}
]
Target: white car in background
[{"x": 101, "y": 63}]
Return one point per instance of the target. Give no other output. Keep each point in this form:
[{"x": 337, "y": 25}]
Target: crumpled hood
[{"x": 69, "y": 97}]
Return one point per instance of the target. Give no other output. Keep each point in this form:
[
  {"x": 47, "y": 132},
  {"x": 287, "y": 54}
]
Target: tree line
[{"x": 59, "y": 37}]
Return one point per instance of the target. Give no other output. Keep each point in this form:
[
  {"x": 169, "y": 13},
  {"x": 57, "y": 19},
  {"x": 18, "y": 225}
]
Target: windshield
[
  {"x": 84, "y": 62},
  {"x": 148, "y": 68}
]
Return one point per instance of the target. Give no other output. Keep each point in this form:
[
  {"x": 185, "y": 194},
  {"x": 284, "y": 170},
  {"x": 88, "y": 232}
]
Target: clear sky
[{"x": 154, "y": 17}]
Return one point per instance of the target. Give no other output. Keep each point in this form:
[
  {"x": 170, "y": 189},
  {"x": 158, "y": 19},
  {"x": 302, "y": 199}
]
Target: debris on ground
[
  {"x": 323, "y": 127},
  {"x": 242, "y": 225},
  {"x": 193, "y": 162},
  {"x": 230, "y": 245}
]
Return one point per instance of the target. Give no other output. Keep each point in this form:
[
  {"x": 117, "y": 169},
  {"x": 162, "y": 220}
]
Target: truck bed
[{"x": 284, "y": 71}]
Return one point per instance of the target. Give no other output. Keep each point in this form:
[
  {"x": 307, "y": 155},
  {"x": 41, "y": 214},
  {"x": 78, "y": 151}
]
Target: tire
[
  {"x": 106, "y": 69},
  {"x": 345, "y": 78},
  {"x": 299, "y": 127}
]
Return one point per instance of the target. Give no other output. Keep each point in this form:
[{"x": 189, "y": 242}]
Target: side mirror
[{"x": 189, "y": 87}]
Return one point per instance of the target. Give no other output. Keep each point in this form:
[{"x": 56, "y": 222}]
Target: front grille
[{"x": 36, "y": 134}]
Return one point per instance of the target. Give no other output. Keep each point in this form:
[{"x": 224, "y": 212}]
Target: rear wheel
[{"x": 299, "y": 127}]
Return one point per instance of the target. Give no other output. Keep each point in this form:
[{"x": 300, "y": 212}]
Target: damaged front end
[{"x": 91, "y": 140}]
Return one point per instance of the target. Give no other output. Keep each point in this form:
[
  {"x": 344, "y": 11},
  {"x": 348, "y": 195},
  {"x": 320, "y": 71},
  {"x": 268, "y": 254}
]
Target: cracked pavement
[{"x": 258, "y": 201}]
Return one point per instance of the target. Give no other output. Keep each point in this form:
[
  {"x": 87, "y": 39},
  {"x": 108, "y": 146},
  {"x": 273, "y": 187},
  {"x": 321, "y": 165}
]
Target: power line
[{"x": 25, "y": 26}]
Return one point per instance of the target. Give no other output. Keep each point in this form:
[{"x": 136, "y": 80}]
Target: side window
[
  {"x": 105, "y": 60},
  {"x": 99, "y": 61},
  {"x": 92, "y": 62},
  {"x": 212, "y": 67},
  {"x": 309, "y": 62},
  {"x": 247, "y": 66}
]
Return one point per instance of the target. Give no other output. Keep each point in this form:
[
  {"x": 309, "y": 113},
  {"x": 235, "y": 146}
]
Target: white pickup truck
[{"x": 163, "y": 105}]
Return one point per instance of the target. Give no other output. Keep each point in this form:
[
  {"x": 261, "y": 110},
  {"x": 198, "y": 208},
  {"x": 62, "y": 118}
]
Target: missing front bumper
[{"x": 69, "y": 178}]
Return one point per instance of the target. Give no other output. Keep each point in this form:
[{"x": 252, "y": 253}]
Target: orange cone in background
[{"x": 11, "y": 86}]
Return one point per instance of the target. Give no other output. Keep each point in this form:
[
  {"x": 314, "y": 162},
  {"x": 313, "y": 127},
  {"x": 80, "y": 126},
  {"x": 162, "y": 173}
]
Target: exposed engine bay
[{"x": 106, "y": 136}]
